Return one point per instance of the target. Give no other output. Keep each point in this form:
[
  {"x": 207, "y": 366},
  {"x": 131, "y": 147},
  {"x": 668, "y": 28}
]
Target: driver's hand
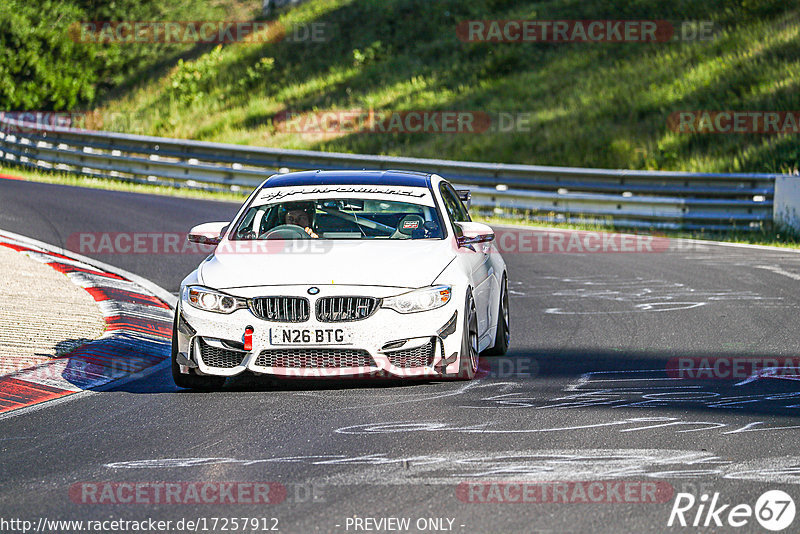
[{"x": 311, "y": 232}]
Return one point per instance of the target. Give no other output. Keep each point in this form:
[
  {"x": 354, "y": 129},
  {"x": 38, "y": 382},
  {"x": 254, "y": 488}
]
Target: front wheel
[
  {"x": 468, "y": 359},
  {"x": 190, "y": 381},
  {"x": 503, "y": 335}
]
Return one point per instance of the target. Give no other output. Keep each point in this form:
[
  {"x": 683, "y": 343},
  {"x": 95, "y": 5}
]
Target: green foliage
[
  {"x": 51, "y": 60},
  {"x": 41, "y": 68},
  {"x": 371, "y": 54},
  {"x": 190, "y": 79},
  {"x": 257, "y": 73}
]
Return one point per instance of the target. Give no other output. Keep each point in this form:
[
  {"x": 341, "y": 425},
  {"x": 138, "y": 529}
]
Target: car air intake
[
  {"x": 220, "y": 358},
  {"x": 416, "y": 357},
  {"x": 338, "y": 309},
  {"x": 281, "y": 309},
  {"x": 314, "y": 358}
]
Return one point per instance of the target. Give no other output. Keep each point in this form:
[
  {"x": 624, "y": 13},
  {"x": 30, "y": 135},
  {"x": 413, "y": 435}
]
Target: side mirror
[
  {"x": 471, "y": 233},
  {"x": 465, "y": 196},
  {"x": 207, "y": 233}
]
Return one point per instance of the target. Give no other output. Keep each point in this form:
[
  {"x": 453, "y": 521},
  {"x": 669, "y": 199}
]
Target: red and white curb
[{"x": 137, "y": 340}]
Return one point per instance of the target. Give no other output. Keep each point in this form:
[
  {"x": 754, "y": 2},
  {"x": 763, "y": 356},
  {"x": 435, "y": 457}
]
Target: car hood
[{"x": 393, "y": 263}]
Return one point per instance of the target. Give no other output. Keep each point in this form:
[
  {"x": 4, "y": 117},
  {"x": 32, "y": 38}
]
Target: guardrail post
[{"x": 786, "y": 205}]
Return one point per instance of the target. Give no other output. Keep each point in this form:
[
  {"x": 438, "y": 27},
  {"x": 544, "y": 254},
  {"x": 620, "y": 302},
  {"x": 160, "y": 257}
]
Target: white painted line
[{"x": 777, "y": 270}]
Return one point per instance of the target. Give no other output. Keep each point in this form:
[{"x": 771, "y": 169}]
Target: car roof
[{"x": 389, "y": 177}]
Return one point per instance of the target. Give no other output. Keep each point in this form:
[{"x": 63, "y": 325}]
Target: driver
[{"x": 301, "y": 214}]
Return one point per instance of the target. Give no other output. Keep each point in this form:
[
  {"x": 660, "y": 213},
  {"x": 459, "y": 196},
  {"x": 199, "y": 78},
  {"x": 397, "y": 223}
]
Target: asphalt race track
[{"x": 588, "y": 392}]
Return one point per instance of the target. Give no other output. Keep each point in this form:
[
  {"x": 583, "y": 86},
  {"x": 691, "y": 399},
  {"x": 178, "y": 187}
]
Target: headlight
[
  {"x": 206, "y": 299},
  {"x": 427, "y": 298}
]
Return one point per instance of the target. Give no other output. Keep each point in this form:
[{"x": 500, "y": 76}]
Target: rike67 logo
[{"x": 774, "y": 510}]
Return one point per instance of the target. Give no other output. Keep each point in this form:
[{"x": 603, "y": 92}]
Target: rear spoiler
[{"x": 465, "y": 195}]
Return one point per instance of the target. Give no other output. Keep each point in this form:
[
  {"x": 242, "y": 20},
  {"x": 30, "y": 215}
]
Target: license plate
[{"x": 310, "y": 336}]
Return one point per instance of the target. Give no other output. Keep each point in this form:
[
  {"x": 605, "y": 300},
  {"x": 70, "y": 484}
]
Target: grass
[
  {"x": 79, "y": 180},
  {"x": 590, "y": 105},
  {"x": 775, "y": 238}
]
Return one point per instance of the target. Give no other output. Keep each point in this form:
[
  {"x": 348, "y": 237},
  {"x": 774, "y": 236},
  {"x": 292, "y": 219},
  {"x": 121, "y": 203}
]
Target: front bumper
[{"x": 213, "y": 344}]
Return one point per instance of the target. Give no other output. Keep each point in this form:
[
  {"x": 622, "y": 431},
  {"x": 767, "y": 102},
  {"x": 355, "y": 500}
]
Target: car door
[{"x": 476, "y": 261}]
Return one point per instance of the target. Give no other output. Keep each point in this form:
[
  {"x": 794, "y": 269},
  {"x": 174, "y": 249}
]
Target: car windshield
[{"x": 339, "y": 218}]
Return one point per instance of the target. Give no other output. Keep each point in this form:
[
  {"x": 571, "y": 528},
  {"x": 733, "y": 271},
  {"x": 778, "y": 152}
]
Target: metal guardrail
[{"x": 629, "y": 198}]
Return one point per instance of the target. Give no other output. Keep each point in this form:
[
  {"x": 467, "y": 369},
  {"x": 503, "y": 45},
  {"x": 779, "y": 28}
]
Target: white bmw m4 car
[{"x": 343, "y": 274}]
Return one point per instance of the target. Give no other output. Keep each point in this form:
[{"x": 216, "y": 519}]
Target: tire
[
  {"x": 503, "y": 335},
  {"x": 190, "y": 381},
  {"x": 468, "y": 358}
]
